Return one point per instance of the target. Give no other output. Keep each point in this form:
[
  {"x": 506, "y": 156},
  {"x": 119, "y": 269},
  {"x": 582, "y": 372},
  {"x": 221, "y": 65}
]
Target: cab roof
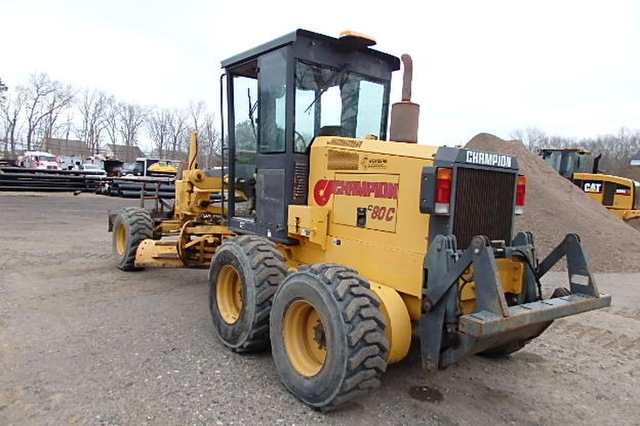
[{"x": 348, "y": 43}]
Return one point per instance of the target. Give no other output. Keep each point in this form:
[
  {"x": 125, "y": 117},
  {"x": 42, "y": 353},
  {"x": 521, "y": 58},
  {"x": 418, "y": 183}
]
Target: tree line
[
  {"x": 47, "y": 108},
  {"x": 616, "y": 149}
]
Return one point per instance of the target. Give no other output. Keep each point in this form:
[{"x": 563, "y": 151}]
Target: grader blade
[
  {"x": 494, "y": 327},
  {"x": 162, "y": 253}
]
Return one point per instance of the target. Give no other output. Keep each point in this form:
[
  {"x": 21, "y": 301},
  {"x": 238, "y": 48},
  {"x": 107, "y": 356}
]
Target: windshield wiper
[{"x": 335, "y": 78}]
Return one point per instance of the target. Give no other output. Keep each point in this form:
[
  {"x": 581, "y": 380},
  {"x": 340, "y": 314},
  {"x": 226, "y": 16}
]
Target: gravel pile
[{"x": 556, "y": 207}]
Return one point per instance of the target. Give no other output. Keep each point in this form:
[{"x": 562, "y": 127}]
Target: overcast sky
[{"x": 570, "y": 68}]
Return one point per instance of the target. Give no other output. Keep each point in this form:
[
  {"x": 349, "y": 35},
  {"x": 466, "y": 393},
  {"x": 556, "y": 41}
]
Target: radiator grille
[
  {"x": 483, "y": 205},
  {"x": 300, "y": 182}
]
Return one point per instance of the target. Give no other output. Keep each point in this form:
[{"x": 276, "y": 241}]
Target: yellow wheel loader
[
  {"x": 619, "y": 195},
  {"x": 335, "y": 245}
]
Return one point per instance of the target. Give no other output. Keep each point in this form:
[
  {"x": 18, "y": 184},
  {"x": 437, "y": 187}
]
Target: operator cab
[
  {"x": 280, "y": 96},
  {"x": 567, "y": 161}
]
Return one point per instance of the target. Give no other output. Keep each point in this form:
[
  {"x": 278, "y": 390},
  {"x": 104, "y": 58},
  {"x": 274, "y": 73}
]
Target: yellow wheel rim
[
  {"x": 121, "y": 239},
  {"x": 229, "y": 294},
  {"x": 304, "y": 338}
]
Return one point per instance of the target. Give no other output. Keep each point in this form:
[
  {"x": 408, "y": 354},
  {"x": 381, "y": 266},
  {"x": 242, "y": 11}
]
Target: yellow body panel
[
  {"x": 309, "y": 221},
  {"x": 389, "y": 247},
  {"x": 622, "y": 206},
  {"x": 163, "y": 166},
  {"x": 380, "y": 214},
  {"x": 398, "y": 329},
  {"x": 511, "y": 274},
  {"x": 155, "y": 253},
  {"x": 383, "y": 180},
  {"x": 193, "y": 194}
]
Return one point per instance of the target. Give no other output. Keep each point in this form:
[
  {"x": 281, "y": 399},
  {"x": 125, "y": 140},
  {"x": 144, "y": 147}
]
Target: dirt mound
[{"x": 556, "y": 207}]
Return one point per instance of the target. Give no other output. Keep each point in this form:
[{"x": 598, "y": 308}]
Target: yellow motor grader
[{"x": 336, "y": 245}]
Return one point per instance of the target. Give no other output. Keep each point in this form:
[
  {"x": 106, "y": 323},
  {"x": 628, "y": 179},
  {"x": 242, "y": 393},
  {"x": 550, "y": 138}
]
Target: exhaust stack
[{"x": 405, "y": 114}]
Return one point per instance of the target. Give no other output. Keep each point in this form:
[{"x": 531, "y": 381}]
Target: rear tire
[
  {"x": 328, "y": 335},
  {"x": 131, "y": 226},
  {"x": 244, "y": 275}
]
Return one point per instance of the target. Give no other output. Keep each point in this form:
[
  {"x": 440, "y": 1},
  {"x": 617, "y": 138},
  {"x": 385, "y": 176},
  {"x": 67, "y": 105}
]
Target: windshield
[
  {"x": 553, "y": 158},
  {"x": 352, "y": 104},
  {"x": 47, "y": 158}
]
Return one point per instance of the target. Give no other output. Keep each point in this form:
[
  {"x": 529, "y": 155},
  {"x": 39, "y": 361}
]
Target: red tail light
[
  {"x": 444, "y": 176},
  {"x": 520, "y": 194}
]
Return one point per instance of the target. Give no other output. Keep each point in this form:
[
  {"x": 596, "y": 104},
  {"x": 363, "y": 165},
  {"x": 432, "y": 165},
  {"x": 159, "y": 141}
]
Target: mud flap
[{"x": 447, "y": 336}]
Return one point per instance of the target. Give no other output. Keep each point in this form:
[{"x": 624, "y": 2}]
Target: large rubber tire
[
  {"x": 244, "y": 275},
  {"x": 328, "y": 335},
  {"x": 131, "y": 226}
]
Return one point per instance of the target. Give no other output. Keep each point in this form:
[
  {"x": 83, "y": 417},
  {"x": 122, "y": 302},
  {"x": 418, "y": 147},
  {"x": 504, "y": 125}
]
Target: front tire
[
  {"x": 131, "y": 226},
  {"x": 328, "y": 335},
  {"x": 244, "y": 275}
]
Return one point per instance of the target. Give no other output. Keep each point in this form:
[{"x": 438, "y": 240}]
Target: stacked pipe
[{"x": 25, "y": 179}]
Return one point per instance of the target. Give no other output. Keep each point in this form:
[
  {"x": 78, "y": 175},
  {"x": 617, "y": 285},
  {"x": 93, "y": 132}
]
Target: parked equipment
[
  {"x": 331, "y": 244},
  {"x": 39, "y": 160},
  {"x": 620, "y": 195},
  {"x": 151, "y": 167}
]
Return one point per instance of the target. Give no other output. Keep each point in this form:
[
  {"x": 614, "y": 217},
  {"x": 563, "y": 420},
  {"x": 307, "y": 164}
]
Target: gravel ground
[{"x": 83, "y": 343}]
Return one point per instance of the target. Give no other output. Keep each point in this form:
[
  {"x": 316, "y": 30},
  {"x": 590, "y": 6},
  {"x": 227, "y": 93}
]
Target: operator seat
[{"x": 328, "y": 131}]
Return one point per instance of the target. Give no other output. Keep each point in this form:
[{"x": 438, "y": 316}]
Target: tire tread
[
  {"x": 140, "y": 226},
  {"x": 365, "y": 324},
  {"x": 268, "y": 268}
]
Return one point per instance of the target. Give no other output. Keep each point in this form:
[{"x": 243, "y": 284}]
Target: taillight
[
  {"x": 444, "y": 176},
  {"x": 520, "y": 194}
]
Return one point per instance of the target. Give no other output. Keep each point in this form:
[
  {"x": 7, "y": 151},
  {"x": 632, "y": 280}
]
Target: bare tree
[
  {"x": 93, "y": 108},
  {"x": 44, "y": 100},
  {"x": 10, "y": 111},
  {"x": 532, "y": 137},
  {"x": 615, "y": 149},
  {"x": 210, "y": 141},
  {"x": 40, "y": 87},
  {"x": 3, "y": 92},
  {"x": 158, "y": 124},
  {"x": 111, "y": 120},
  {"x": 178, "y": 130},
  {"x": 56, "y": 104},
  {"x": 131, "y": 119},
  {"x": 197, "y": 111}
]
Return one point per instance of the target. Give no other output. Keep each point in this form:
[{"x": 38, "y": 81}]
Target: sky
[{"x": 569, "y": 68}]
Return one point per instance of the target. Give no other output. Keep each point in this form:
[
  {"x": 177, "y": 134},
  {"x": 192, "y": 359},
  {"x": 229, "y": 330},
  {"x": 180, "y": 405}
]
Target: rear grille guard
[
  {"x": 447, "y": 336},
  {"x": 483, "y": 205}
]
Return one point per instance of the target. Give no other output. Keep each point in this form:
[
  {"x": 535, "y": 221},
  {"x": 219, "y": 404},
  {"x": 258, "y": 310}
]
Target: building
[
  {"x": 66, "y": 147},
  {"x": 124, "y": 153}
]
